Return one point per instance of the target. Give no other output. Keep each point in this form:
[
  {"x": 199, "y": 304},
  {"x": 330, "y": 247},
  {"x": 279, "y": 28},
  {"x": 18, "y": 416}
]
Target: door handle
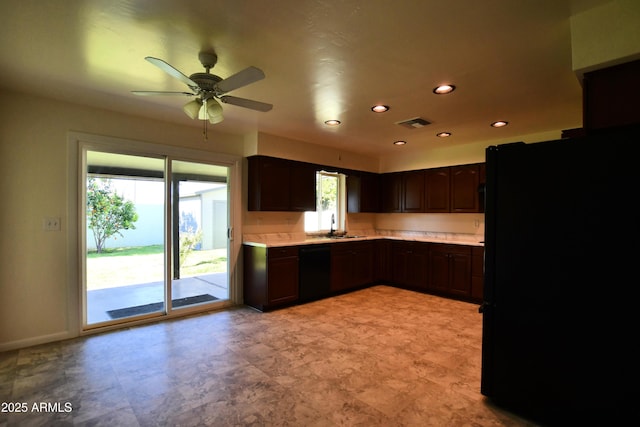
[{"x": 483, "y": 306}]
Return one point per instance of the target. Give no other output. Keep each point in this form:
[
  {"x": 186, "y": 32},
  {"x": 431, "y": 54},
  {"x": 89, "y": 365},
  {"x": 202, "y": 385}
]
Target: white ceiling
[{"x": 509, "y": 59}]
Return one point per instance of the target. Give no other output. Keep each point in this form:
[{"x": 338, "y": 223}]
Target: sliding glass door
[
  {"x": 200, "y": 251},
  {"x": 155, "y": 236}
]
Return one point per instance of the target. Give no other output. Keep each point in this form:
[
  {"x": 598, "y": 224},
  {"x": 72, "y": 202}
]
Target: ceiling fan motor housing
[
  {"x": 208, "y": 59},
  {"x": 205, "y": 81}
]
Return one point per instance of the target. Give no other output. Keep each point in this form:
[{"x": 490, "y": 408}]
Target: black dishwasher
[{"x": 314, "y": 267}]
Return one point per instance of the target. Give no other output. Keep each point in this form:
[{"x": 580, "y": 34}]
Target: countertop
[{"x": 297, "y": 239}]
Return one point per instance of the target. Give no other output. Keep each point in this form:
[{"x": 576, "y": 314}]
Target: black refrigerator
[{"x": 562, "y": 265}]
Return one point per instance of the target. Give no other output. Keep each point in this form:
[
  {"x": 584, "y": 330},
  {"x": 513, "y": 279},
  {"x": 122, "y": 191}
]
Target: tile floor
[{"x": 381, "y": 356}]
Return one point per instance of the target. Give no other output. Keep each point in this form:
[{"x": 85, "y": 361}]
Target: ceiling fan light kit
[
  {"x": 209, "y": 88},
  {"x": 192, "y": 108},
  {"x": 213, "y": 111}
]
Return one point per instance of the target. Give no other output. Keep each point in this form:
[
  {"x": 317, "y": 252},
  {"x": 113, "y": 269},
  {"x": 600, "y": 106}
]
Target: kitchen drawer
[
  {"x": 452, "y": 248},
  {"x": 283, "y": 252}
]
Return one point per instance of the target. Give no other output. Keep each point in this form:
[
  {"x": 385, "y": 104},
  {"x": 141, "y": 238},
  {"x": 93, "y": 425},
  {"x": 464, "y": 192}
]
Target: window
[{"x": 330, "y": 210}]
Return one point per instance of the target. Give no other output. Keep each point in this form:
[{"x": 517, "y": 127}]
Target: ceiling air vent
[{"x": 416, "y": 123}]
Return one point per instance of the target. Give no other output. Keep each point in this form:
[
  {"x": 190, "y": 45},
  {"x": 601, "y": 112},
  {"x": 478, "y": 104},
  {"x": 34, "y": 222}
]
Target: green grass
[
  {"x": 144, "y": 264},
  {"x": 132, "y": 250}
]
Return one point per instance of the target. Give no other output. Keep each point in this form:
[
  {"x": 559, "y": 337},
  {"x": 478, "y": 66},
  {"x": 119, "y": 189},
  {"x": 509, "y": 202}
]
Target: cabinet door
[
  {"x": 392, "y": 192},
  {"x": 351, "y": 265},
  {"x": 302, "y": 187},
  {"x": 464, "y": 188},
  {"x": 369, "y": 192},
  {"x": 354, "y": 193},
  {"x": 417, "y": 265},
  {"x": 460, "y": 274},
  {"x": 437, "y": 190},
  {"x": 281, "y": 185},
  {"x": 450, "y": 269},
  {"x": 413, "y": 191},
  {"x": 438, "y": 269},
  {"x": 382, "y": 262},
  {"x": 611, "y": 96},
  {"x": 362, "y": 263},
  {"x": 341, "y": 268},
  {"x": 399, "y": 254},
  {"x": 409, "y": 264},
  {"x": 268, "y": 184},
  {"x": 282, "y": 280}
]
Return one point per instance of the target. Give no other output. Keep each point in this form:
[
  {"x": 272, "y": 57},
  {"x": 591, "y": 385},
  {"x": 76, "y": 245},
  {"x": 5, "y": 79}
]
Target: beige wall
[
  {"x": 277, "y": 146},
  {"x": 453, "y": 154},
  {"x": 605, "y": 35},
  {"x": 37, "y": 287}
]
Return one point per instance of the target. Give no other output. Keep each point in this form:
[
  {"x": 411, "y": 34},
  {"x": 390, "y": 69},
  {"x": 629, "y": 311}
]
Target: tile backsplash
[{"x": 470, "y": 226}]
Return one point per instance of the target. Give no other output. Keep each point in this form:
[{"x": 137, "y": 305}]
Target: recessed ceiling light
[
  {"x": 332, "y": 122},
  {"x": 380, "y": 108},
  {"x": 443, "y": 134},
  {"x": 499, "y": 124},
  {"x": 444, "y": 89},
  {"x": 399, "y": 142}
]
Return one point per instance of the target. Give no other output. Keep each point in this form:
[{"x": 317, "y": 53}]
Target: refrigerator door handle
[{"x": 482, "y": 306}]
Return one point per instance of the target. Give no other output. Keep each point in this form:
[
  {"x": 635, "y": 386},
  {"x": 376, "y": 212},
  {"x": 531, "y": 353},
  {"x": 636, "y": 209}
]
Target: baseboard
[{"x": 42, "y": 339}]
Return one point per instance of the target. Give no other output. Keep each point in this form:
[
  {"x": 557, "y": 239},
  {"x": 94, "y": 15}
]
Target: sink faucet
[{"x": 333, "y": 223}]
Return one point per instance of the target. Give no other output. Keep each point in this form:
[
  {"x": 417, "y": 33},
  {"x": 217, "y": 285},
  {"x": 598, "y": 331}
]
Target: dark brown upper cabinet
[
  {"x": 281, "y": 185},
  {"x": 302, "y": 185},
  {"x": 285, "y": 185},
  {"x": 465, "y": 188},
  {"x": 391, "y": 192},
  {"x": 413, "y": 191},
  {"x": 363, "y": 192},
  {"x": 403, "y": 191},
  {"x": 437, "y": 190},
  {"x": 611, "y": 96}
]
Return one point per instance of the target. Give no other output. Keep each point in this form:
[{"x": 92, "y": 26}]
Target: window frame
[{"x": 341, "y": 206}]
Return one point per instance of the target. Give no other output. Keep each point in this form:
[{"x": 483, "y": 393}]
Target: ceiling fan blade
[
  {"x": 158, "y": 92},
  {"x": 169, "y": 69},
  {"x": 246, "y": 103},
  {"x": 241, "y": 78}
]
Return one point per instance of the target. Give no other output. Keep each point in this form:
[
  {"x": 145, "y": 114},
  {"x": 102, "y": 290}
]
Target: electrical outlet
[{"x": 51, "y": 224}]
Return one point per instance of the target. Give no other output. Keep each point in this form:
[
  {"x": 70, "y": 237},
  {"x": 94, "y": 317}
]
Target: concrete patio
[{"x": 100, "y": 301}]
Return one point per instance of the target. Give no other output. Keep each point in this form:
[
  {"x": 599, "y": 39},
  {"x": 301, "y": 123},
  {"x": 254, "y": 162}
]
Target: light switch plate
[{"x": 51, "y": 224}]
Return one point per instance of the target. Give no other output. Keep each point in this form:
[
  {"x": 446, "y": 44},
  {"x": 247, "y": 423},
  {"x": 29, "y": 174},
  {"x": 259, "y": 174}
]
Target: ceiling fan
[{"x": 207, "y": 88}]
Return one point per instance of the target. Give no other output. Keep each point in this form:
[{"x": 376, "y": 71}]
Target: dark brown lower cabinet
[
  {"x": 270, "y": 276},
  {"x": 351, "y": 265},
  {"x": 477, "y": 274},
  {"x": 409, "y": 264},
  {"x": 450, "y": 269},
  {"x": 382, "y": 260}
]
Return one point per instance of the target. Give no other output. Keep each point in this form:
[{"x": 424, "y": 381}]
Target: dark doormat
[{"x": 157, "y": 306}]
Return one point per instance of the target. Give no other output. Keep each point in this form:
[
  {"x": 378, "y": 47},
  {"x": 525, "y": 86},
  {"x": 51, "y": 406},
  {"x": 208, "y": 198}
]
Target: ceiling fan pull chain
[
  {"x": 205, "y": 119},
  {"x": 204, "y": 130}
]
